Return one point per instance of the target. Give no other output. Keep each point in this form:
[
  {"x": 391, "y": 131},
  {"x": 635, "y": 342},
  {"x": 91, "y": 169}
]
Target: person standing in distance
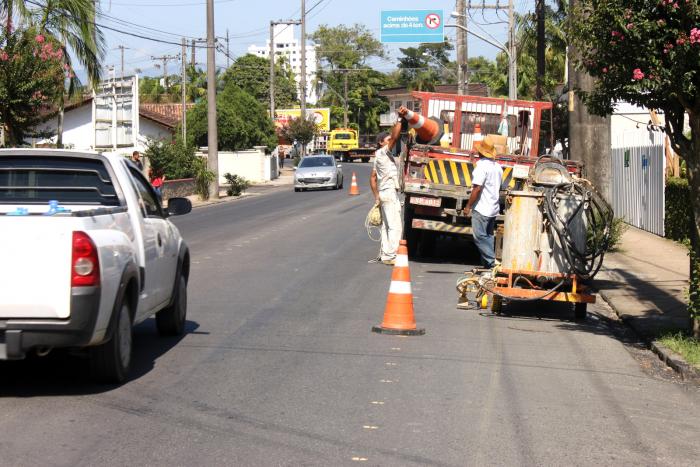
[
  {"x": 486, "y": 187},
  {"x": 384, "y": 182},
  {"x": 136, "y": 159}
]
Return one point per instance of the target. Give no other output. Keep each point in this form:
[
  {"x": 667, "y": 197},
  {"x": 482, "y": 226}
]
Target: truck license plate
[{"x": 424, "y": 201}]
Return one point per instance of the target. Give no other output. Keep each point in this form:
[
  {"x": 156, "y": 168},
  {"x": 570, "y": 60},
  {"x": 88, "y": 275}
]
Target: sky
[{"x": 248, "y": 23}]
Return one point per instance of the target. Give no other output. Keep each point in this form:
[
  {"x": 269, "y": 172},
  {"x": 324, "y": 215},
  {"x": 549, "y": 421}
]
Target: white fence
[
  {"x": 638, "y": 181},
  {"x": 251, "y": 164}
]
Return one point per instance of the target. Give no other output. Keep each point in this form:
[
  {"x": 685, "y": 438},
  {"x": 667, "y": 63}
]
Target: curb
[
  {"x": 675, "y": 361},
  {"x": 666, "y": 355}
]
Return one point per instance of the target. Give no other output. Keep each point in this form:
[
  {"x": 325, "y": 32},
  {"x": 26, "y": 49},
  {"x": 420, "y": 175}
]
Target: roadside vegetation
[{"x": 686, "y": 346}]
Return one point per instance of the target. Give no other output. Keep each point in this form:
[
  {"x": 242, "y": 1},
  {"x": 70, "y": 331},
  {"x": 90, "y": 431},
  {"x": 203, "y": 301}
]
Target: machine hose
[{"x": 584, "y": 262}]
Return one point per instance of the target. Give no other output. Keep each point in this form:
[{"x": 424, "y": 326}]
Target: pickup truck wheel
[
  {"x": 365, "y": 159},
  {"x": 110, "y": 362},
  {"x": 170, "y": 321}
]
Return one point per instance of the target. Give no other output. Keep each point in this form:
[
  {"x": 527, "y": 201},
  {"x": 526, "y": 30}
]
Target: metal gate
[{"x": 638, "y": 181}]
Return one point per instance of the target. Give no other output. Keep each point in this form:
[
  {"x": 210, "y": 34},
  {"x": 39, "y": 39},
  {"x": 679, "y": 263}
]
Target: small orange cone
[
  {"x": 398, "y": 314},
  {"x": 354, "y": 189}
]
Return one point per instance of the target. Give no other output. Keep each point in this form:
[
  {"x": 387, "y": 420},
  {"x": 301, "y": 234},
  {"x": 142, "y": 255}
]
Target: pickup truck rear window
[{"x": 70, "y": 180}]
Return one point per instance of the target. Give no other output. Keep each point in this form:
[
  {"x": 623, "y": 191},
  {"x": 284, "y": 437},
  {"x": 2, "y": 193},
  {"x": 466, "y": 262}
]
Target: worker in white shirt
[
  {"x": 483, "y": 205},
  {"x": 384, "y": 182}
]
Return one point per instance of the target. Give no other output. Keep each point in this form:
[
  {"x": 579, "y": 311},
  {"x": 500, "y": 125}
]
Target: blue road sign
[{"x": 412, "y": 26}]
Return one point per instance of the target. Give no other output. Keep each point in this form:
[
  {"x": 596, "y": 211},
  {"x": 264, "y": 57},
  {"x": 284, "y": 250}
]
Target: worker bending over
[
  {"x": 486, "y": 187},
  {"x": 384, "y": 182}
]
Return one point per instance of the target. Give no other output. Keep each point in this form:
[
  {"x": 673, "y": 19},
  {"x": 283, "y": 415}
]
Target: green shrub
[
  {"x": 237, "y": 184},
  {"x": 678, "y": 215},
  {"x": 617, "y": 230},
  {"x": 174, "y": 159},
  {"x": 203, "y": 179}
]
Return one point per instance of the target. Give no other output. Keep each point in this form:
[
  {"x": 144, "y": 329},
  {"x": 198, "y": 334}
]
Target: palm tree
[{"x": 72, "y": 23}]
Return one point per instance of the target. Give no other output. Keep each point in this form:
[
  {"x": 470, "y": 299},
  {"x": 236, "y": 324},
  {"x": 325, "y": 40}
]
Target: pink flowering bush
[
  {"x": 31, "y": 79},
  {"x": 657, "y": 66}
]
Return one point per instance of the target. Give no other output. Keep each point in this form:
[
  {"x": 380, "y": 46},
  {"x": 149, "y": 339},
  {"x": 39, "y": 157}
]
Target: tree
[
  {"x": 423, "y": 67},
  {"x": 242, "y": 121},
  {"x": 72, "y": 24},
  {"x": 646, "y": 53},
  {"x": 343, "y": 52},
  {"x": 31, "y": 79},
  {"x": 252, "y": 74},
  {"x": 301, "y": 130}
]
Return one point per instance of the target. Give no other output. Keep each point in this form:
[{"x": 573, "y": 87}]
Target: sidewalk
[
  {"x": 645, "y": 283},
  {"x": 286, "y": 178}
]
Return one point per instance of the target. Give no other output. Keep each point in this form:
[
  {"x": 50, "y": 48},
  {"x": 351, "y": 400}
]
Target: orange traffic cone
[
  {"x": 398, "y": 314},
  {"x": 428, "y": 130},
  {"x": 478, "y": 137},
  {"x": 354, "y": 189}
]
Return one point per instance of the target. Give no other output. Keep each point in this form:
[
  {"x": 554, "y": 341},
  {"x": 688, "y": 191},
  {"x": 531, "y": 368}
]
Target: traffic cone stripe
[
  {"x": 415, "y": 122},
  {"x": 400, "y": 288},
  {"x": 401, "y": 261}
]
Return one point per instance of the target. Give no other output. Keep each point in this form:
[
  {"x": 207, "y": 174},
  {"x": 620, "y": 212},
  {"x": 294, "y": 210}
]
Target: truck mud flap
[{"x": 439, "y": 226}]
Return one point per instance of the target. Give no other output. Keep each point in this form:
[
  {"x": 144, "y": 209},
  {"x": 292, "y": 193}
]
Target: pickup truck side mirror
[{"x": 179, "y": 206}]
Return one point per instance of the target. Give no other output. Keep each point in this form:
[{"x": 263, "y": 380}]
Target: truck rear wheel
[
  {"x": 171, "y": 321},
  {"x": 110, "y": 362},
  {"x": 409, "y": 233}
]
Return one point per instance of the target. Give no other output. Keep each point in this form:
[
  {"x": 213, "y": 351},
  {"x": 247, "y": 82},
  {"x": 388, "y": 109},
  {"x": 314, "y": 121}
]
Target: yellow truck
[{"x": 346, "y": 145}]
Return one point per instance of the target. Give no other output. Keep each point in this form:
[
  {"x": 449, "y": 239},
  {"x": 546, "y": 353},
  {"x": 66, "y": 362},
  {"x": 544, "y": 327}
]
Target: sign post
[{"x": 412, "y": 26}]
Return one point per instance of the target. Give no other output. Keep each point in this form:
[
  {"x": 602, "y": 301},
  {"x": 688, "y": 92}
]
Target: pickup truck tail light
[{"x": 85, "y": 264}]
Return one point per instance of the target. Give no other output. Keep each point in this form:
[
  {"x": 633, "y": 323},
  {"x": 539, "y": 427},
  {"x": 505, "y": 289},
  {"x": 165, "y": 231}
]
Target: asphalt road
[{"x": 279, "y": 366}]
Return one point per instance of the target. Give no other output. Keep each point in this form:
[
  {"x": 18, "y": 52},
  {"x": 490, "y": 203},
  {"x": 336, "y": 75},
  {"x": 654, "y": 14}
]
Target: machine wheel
[
  {"x": 484, "y": 301},
  {"x": 496, "y": 305},
  {"x": 297, "y": 189},
  {"x": 110, "y": 362},
  {"x": 170, "y": 321},
  {"x": 365, "y": 159},
  {"x": 580, "y": 311}
]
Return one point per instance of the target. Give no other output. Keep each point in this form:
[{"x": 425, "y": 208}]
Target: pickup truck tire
[
  {"x": 170, "y": 321},
  {"x": 110, "y": 362}
]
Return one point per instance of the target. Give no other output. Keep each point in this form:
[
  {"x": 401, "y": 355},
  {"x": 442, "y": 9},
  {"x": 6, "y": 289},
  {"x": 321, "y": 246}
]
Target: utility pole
[
  {"x": 273, "y": 54},
  {"x": 510, "y": 49},
  {"x": 302, "y": 81},
  {"x": 589, "y": 135},
  {"x": 461, "y": 46},
  {"x": 121, "y": 49},
  {"x": 540, "y": 49},
  {"x": 228, "y": 51},
  {"x": 165, "y": 59},
  {"x": 513, "y": 59},
  {"x": 193, "y": 60},
  {"x": 213, "y": 136},
  {"x": 345, "y": 99},
  {"x": 183, "y": 85}
]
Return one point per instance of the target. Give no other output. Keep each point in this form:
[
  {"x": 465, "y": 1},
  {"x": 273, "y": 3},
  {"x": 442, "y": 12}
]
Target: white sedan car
[{"x": 318, "y": 171}]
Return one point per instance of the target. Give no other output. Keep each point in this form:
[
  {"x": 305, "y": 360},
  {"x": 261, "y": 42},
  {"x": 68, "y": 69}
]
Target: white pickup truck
[{"x": 86, "y": 253}]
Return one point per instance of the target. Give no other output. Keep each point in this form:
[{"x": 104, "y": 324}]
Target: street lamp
[{"x": 512, "y": 74}]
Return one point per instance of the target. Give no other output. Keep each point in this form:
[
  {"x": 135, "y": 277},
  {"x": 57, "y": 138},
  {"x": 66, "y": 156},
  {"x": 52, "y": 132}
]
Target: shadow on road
[{"x": 67, "y": 373}]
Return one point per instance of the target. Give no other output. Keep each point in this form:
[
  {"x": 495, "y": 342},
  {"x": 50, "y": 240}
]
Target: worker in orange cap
[{"x": 384, "y": 182}]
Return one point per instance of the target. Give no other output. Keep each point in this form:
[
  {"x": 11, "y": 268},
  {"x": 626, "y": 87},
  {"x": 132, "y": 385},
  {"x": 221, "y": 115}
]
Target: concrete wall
[{"x": 251, "y": 164}]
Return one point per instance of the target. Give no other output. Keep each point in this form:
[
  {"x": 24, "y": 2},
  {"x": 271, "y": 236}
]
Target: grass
[{"x": 686, "y": 346}]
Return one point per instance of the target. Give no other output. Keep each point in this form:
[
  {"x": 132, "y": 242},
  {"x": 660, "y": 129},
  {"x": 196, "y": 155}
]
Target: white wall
[
  {"x": 150, "y": 129},
  {"x": 252, "y": 164},
  {"x": 77, "y": 129}
]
